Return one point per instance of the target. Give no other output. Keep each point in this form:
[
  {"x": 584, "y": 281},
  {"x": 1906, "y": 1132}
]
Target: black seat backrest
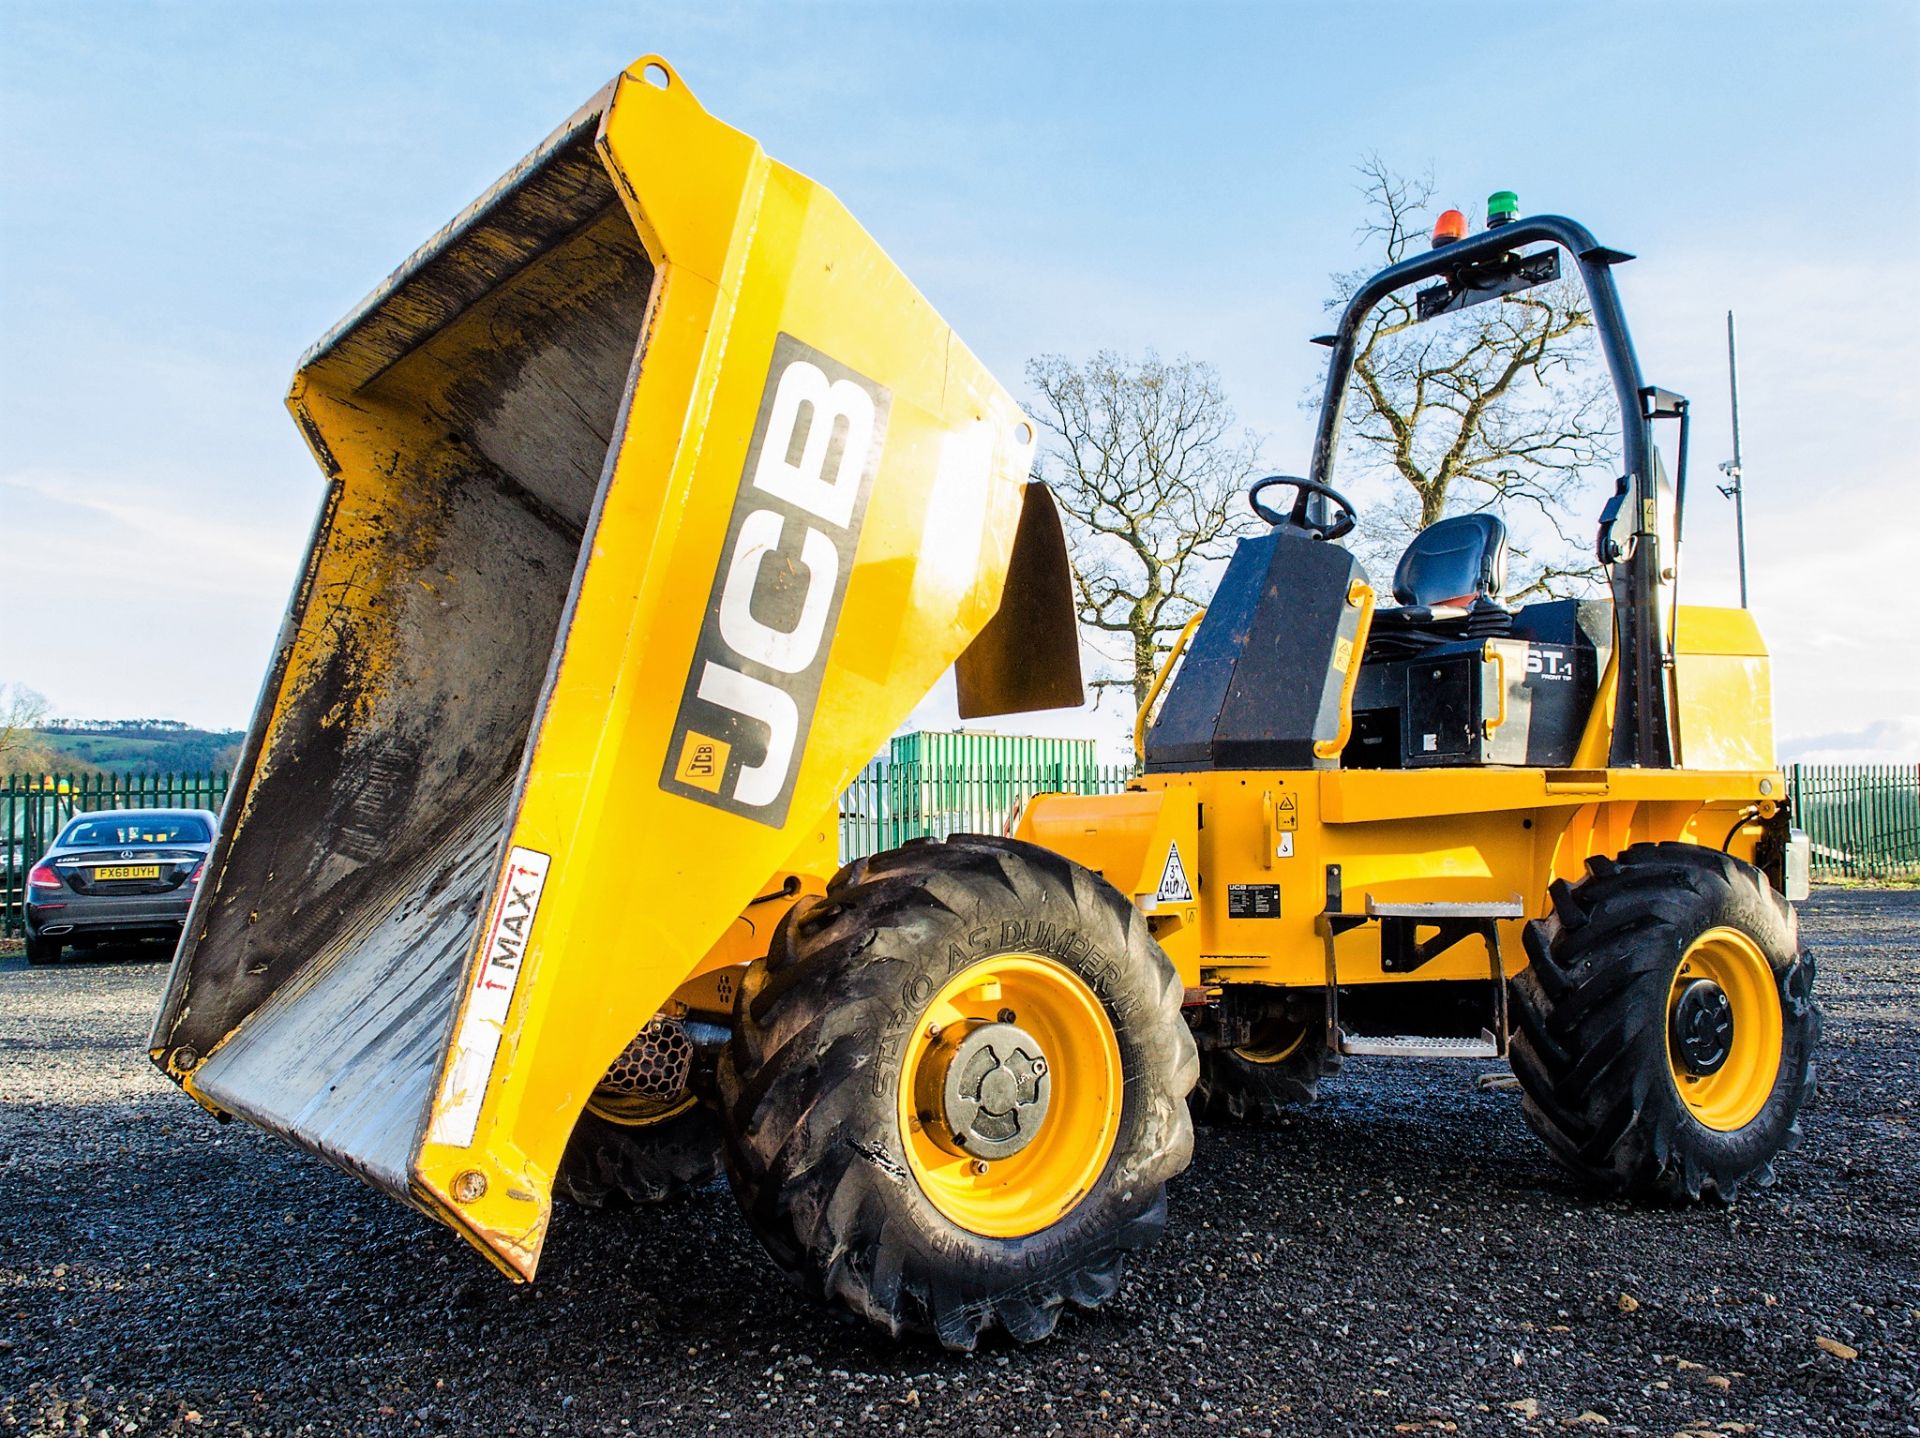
[{"x": 1454, "y": 561}]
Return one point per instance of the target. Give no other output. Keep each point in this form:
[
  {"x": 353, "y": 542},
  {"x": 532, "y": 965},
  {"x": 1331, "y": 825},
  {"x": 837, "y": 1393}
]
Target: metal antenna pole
[{"x": 1734, "y": 489}]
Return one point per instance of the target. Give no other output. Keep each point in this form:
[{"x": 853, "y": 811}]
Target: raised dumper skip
[{"x": 529, "y": 888}]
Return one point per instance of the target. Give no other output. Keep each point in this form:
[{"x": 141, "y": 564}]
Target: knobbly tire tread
[
  {"x": 1589, "y": 1044},
  {"x": 613, "y": 1165},
  {"x": 808, "y": 1090},
  {"x": 1233, "y": 1090}
]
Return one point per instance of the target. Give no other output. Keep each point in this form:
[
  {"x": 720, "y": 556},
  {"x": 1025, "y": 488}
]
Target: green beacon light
[{"x": 1503, "y": 208}]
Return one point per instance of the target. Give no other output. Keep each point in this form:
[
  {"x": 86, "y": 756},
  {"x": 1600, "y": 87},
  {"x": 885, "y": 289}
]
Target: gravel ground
[{"x": 1403, "y": 1258}]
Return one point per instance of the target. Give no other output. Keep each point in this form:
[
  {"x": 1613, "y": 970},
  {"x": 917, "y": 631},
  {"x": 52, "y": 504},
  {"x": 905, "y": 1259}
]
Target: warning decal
[
  {"x": 1286, "y": 812},
  {"x": 1174, "y": 888},
  {"x": 490, "y": 996}
]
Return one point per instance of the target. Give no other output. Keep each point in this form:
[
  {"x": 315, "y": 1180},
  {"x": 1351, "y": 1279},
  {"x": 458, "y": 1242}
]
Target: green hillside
[{"x": 140, "y": 747}]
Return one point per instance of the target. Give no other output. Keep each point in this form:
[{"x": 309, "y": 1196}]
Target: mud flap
[{"x": 1028, "y": 657}]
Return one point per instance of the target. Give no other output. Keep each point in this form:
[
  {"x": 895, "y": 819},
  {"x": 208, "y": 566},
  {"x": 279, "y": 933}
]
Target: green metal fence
[
  {"x": 34, "y": 806},
  {"x": 930, "y": 784},
  {"x": 891, "y": 802},
  {"x": 926, "y": 786},
  {"x": 1864, "y": 819}
]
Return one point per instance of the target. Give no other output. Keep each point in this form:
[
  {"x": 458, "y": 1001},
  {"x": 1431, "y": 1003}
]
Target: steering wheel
[{"x": 1341, "y": 523}]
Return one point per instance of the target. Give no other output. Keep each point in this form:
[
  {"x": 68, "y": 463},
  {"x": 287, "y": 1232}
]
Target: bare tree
[
  {"x": 22, "y": 712},
  {"x": 1497, "y": 407},
  {"x": 1149, "y": 467}
]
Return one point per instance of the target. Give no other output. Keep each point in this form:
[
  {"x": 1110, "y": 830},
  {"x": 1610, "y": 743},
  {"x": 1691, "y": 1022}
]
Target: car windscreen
[{"x": 138, "y": 829}]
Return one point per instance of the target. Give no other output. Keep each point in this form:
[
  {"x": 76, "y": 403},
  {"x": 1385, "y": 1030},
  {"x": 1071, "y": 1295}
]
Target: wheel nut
[
  {"x": 980, "y": 1166},
  {"x": 1006, "y": 1016}
]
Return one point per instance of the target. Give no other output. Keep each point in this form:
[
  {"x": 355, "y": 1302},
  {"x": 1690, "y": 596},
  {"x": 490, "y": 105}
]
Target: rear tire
[
  {"x": 611, "y": 1165},
  {"x": 645, "y": 1136},
  {"x": 43, "y": 951},
  {"x": 1609, "y": 1079},
  {"x": 1259, "y": 1081},
  {"x": 831, "y": 1153}
]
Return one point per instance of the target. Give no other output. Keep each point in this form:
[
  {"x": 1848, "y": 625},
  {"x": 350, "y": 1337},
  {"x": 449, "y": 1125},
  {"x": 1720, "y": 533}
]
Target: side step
[
  {"x": 1402, "y": 951},
  {"x": 1436, "y": 913},
  {"x": 1420, "y": 1046}
]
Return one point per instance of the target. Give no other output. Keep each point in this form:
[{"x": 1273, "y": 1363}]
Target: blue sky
[{"x": 192, "y": 193}]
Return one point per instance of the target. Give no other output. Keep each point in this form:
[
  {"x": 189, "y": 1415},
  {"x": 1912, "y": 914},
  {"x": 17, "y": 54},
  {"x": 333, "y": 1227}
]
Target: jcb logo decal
[{"x": 749, "y": 701}]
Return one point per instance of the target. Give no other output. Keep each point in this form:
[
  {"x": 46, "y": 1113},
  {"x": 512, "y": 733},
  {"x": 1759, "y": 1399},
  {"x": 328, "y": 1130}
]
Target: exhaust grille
[{"x": 652, "y": 1076}]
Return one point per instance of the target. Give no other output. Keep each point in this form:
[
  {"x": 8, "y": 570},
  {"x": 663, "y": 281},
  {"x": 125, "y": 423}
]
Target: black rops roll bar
[{"x": 1642, "y": 733}]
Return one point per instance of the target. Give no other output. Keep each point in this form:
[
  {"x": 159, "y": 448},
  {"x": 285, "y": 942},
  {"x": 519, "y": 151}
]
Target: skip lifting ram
[{"x": 656, "y": 498}]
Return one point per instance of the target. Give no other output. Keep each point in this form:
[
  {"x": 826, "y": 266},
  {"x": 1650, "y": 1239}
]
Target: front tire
[
  {"x": 1666, "y": 1024},
  {"x": 977, "y": 996}
]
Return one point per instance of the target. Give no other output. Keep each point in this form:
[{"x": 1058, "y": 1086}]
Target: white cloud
[
  {"x": 79, "y": 522},
  {"x": 146, "y": 599},
  {"x": 1885, "y": 741}
]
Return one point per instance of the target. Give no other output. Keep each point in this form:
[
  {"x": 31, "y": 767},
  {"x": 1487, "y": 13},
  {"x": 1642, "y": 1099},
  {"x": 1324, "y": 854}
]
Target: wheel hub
[
  {"x": 984, "y": 1089},
  {"x": 1702, "y": 1027}
]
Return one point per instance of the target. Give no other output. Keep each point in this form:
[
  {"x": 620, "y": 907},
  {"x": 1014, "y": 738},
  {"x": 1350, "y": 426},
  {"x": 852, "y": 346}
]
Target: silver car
[{"x": 117, "y": 874}]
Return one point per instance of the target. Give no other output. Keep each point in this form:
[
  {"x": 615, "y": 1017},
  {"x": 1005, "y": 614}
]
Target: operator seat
[
  {"x": 1446, "y": 584},
  {"x": 1452, "y": 563}
]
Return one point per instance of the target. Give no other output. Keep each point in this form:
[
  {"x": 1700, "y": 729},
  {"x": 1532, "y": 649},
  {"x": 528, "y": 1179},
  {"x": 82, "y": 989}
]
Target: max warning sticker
[
  {"x": 489, "y": 997},
  {"x": 1174, "y": 888}
]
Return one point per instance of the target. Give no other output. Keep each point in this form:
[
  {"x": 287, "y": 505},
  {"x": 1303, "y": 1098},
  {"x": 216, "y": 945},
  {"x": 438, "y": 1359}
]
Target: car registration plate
[{"x": 127, "y": 871}]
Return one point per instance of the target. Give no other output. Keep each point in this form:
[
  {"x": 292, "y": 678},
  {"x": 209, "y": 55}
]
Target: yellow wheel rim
[
  {"x": 635, "y": 1113},
  {"x": 1276, "y": 1044},
  {"x": 1731, "y": 1096},
  {"x": 1036, "y": 1187}
]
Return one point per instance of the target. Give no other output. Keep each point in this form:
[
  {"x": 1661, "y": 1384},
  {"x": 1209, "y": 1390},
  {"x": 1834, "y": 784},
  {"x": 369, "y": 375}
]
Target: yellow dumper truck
[{"x": 656, "y": 498}]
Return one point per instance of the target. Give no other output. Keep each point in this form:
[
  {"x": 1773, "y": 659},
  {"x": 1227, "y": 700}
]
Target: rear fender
[{"x": 1145, "y": 842}]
